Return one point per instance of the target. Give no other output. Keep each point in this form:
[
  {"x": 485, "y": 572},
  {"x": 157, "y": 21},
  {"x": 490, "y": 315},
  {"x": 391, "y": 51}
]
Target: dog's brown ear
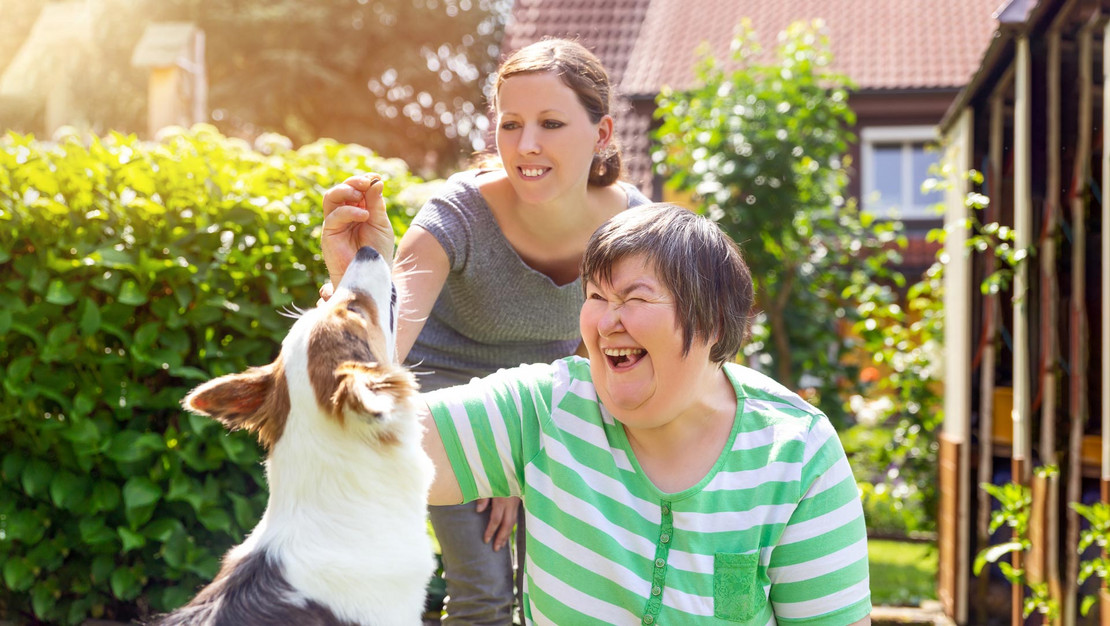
[
  {"x": 369, "y": 389},
  {"x": 256, "y": 400}
]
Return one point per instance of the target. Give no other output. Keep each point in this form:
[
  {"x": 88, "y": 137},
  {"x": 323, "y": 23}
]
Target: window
[{"x": 895, "y": 160}]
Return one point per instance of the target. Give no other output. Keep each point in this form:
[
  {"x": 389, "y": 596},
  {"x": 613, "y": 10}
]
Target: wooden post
[
  {"x": 1023, "y": 239},
  {"x": 1044, "y": 525},
  {"x": 991, "y": 323},
  {"x": 1077, "y": 313},
  {"x": 956, "y": 430}
]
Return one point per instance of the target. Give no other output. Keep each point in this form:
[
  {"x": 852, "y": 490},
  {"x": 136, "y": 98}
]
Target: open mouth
[
  {"x": 623, "y": 358},
  {"x": 533, "y": 172}
]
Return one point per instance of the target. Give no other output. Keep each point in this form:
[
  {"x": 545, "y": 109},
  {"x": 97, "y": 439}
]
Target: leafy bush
[{"x": 130, "y": 273}]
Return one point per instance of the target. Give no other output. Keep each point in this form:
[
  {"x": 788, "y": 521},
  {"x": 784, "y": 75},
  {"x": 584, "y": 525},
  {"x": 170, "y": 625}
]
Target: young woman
[{"x": 488, "y": 274}]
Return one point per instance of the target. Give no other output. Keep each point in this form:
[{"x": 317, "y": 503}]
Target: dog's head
[{"x": 337, "y": 362}]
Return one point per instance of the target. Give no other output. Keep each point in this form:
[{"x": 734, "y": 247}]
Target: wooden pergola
[{"x": 1027, "y": 370}]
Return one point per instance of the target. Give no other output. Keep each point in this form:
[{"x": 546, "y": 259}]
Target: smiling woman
[
  {"x": 662, "y": 483},
  {"x": 488, "y": 275}
]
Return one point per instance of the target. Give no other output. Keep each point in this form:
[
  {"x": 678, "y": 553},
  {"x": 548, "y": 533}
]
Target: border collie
[{"x": 343, "y": 539}]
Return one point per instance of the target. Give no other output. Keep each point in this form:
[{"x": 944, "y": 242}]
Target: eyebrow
[
  {"x": 629, "y": 288},
  {"x": 540, "y": 114}
]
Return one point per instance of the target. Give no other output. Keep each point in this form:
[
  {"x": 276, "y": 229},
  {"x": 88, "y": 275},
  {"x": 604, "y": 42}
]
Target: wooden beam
[
  {"x": 1023, "y": 239},
  {"x": 1077, "y": 313},
  {"x": 957, "y": 353}
]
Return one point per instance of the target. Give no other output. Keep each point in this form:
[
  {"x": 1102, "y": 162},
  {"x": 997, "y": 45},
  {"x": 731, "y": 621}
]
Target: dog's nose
[{"x": 366, "y": 253}]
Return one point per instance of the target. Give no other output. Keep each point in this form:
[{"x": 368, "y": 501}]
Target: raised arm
[{"x": 419, "y": 272}]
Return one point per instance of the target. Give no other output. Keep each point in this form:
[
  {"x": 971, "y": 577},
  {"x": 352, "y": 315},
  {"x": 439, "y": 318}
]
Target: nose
[
  {"x": 529, "y": 140},
  {"x": 366, "y": 253},
  {"x": 610, "y": 321}
]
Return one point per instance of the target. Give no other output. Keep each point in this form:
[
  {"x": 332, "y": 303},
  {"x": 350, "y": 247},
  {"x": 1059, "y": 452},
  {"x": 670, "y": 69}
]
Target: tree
[
  {"x": 402, "y": 77},
  {"x": 762, "y": 148}
]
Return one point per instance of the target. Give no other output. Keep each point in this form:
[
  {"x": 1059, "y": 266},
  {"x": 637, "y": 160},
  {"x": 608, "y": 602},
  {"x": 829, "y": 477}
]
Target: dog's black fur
[{"x": 254, "y": 592}]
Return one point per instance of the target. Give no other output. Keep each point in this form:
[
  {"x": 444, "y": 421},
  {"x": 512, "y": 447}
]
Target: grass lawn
[{"x": 902, "y": 573}]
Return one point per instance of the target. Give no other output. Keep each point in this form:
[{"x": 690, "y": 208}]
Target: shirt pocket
[{"x": 737, "y": 594}]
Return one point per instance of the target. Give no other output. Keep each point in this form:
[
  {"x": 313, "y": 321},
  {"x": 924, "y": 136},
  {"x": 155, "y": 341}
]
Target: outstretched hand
[{"x": 354, "y": 216}]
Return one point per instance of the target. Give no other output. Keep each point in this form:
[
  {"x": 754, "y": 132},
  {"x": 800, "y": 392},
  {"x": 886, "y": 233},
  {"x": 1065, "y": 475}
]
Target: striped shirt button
[
  {"x": 666, "y": 510},
  {"x": 656, "y": 590},
  {"x": 660, "y": 562},
  {"x": 649, "y": 619},
  {"x": 665, "y": 537}
]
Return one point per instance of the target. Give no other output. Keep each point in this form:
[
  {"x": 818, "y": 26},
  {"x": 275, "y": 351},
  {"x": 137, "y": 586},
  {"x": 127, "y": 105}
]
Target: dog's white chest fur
[{"x": 344, "y": 537}]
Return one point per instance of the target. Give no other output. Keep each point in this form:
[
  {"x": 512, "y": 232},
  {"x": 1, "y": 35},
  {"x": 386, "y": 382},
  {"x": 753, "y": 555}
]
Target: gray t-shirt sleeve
[{"x": 444, "y": 216}]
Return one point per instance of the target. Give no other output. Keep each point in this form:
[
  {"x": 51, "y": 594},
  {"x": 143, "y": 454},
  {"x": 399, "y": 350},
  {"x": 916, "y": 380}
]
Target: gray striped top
[{"x": 494, "y": 310}]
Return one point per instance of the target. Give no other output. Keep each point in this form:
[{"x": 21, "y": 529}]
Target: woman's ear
[{"x": 604, "y": 133}]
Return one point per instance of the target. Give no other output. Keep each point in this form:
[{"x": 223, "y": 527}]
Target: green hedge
[{"x": 129, "y": 273}]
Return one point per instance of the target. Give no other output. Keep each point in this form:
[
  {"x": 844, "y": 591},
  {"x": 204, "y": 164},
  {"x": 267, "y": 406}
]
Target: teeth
[
  {"x": 622, "y": 351},
  {"x": 531, "y": 171}
]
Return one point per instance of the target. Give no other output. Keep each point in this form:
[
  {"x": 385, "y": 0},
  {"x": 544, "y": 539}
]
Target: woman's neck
[{"x": 679, "y": 453}]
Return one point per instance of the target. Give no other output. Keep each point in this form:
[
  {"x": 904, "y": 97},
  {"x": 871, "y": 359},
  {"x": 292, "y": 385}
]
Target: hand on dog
[
  {"x": 502, "y": 519},
  {"x": 354, "y": 216}
]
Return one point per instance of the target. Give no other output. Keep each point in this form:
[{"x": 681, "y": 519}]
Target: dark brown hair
[
  {"x": 697, "y": 262},
  {"x": 584, "y": 74}
]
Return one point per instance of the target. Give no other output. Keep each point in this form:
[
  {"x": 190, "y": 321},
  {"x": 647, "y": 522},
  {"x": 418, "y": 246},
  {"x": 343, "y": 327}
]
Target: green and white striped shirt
[{"x": 773, "y": 533}]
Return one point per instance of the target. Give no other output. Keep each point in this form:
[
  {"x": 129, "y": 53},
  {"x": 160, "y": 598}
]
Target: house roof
[
  {"x": 879, "y": 44},
  {"x": 607, "y": 27}
]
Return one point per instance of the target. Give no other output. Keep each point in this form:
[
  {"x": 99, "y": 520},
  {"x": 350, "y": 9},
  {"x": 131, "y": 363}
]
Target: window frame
[{"x": 907, "y": 136}]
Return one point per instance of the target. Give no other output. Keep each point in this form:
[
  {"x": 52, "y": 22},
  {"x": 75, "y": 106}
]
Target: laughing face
[
  {"x": 545, "y": 137},
  {"x": 631, "y": 332}
]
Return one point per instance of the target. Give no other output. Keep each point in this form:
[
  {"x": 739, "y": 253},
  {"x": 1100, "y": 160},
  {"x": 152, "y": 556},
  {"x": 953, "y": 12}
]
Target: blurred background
[{"x": 405, "y": 77}]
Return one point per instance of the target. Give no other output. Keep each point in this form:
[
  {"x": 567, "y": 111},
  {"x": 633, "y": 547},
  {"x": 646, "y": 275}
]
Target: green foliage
[
  {"x": 1015, "y": 505},
  {"x": 130, "y": 273},
  {"x": 904, "y": 336},
  {"x": 405, "y": 77},
  {"x": 1097, "y": 534},
  {"x": 762, "y": 150}
]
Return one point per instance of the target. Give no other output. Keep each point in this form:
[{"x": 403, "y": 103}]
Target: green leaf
[
  {"x": 102, "y": 567},
  {"x": 215, "y": 519},
  {"x": 129, "y": 446},
  {"x": 36, "y": 477},
  {"x": 245, "y": 515},
  {"x": 1088, "y": 602},
  {"x": 130, "y": 539},
  {"x": 993, "y": 553},
  {"x": 90, "y": 318},
  {"x": 13, "y": 465},
  {"x": 20, "y": 368},
  {"x": 25, "y": 525},
  {"x": 68, "y": 490},
  {"x": 130, "y": 293},
  {"x": 95, "y": 531},
  {"x": 105, "y": 497},
  {"x": 162, "y": 529},
  {"x": 140, "y": 494},
  {"x": 18, "y": 575},
  {"x": 59, "y": 294},
  {"x": 125, "y": 584}
]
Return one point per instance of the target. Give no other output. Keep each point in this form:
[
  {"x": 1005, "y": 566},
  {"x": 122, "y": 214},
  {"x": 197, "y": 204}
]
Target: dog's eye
[
  {"x": 354, "y": 307},
  {"x": 392, "y": 306}
]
